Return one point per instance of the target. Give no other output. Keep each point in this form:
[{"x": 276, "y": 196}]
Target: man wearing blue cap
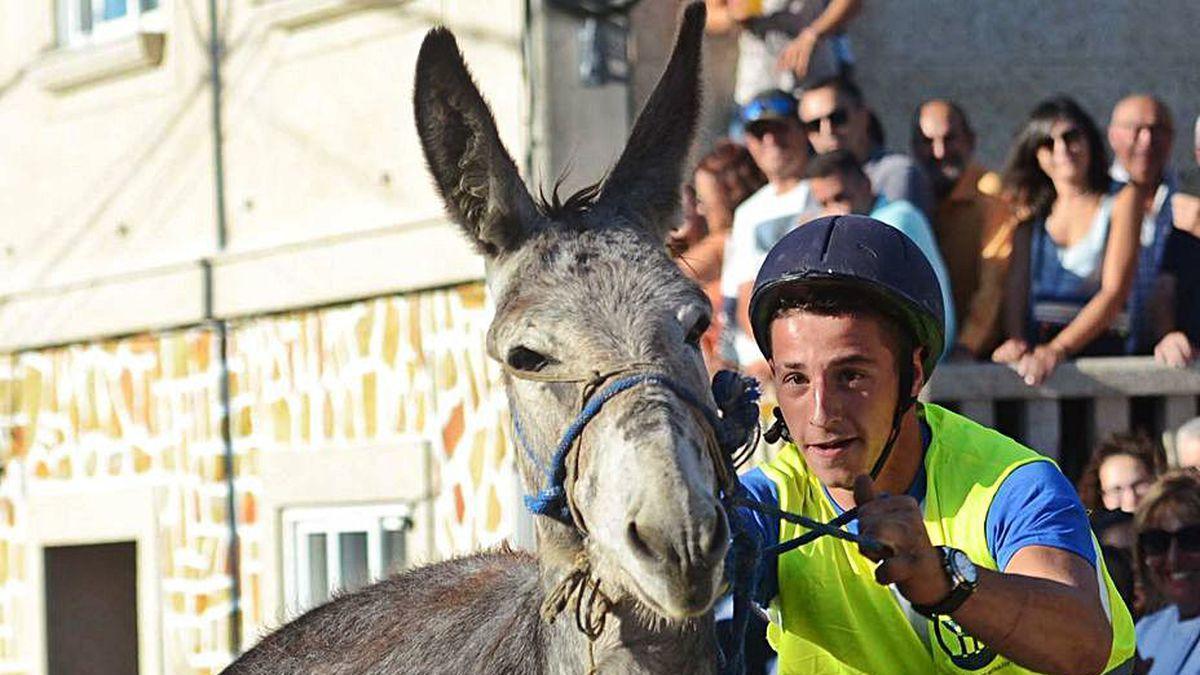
[
  {"x": 982, "y": 561},
  {"x": 776, "y": 141}
]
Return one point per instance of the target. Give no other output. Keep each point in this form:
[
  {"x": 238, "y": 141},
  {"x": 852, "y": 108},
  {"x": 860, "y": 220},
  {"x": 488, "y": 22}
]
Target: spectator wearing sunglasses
[
  {"x": 972, "y": 224},
  {"x": 1168, "y": 557},
  {"x": 777, "y": 144},
  {"x": 836, "y": 117},
  {"x": 1073, "y": 263}
]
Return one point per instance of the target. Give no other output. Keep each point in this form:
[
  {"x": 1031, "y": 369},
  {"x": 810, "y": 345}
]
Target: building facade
[{"x": 323, "y": 301}]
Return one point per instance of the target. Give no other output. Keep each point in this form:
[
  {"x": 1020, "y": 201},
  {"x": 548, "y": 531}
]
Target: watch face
[{"x": 963, "y": 566}]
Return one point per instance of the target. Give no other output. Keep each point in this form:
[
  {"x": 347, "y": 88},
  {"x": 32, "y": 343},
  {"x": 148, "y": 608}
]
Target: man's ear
[{"x": 918, "y": 370}]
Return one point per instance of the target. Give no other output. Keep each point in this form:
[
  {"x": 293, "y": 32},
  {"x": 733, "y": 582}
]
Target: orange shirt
[{"x": 974, "y": 229}]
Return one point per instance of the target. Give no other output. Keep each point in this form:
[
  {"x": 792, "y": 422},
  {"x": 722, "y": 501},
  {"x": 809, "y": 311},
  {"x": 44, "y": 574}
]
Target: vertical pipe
[{"x": 221, "y": 327}]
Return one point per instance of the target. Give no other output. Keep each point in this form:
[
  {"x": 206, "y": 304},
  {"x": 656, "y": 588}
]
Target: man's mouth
[{"x": 831, "y": 447}]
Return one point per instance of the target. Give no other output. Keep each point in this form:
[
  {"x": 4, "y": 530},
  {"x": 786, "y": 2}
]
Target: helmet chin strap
[{"x": 903, "y": 404}]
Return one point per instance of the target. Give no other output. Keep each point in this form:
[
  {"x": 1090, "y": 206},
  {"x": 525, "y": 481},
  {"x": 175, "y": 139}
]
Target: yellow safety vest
[{"x": 831, "y": 616}]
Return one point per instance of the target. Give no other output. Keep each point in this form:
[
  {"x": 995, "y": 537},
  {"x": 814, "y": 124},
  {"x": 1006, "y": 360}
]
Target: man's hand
[
  {"x": 912, "y": 563},
  {"x": 798, "y": 53},
  {"x": 1174, "y": 350}
]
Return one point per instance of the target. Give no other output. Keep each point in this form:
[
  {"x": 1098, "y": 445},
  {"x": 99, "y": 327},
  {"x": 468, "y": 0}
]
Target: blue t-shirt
[{"x": 1035, "y": 506}]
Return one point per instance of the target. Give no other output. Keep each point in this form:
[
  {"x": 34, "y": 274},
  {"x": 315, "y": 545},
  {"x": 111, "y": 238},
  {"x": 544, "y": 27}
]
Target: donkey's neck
[{"x": 628, "y": 643}]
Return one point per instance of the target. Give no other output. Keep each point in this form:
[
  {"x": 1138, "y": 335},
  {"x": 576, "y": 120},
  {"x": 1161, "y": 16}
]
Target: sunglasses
[
  {"x": 837, "y": 118},
  {"x": 1070, "y": 137},
  {"x": 1158, "y": 542},
  {"x": 760, "y": 128}
]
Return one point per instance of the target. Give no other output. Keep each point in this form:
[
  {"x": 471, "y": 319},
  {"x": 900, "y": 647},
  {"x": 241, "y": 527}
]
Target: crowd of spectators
[
  {"x": 1146, "y": 516},
  {"x": 1086, "y": 243}
]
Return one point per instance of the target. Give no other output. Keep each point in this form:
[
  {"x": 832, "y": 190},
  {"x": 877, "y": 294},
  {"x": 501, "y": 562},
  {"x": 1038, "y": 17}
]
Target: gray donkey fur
[{"x": 580, "y": 286}]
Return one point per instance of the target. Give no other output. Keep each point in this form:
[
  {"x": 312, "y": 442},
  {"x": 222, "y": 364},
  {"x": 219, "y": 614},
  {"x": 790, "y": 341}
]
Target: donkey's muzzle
[{"x": 679, "y": 566}]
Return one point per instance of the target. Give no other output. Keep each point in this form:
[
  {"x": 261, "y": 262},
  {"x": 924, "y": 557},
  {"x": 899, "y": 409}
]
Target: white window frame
[
  {"x": 331, "y": 521},
  {"x": 135, "y": 21}
]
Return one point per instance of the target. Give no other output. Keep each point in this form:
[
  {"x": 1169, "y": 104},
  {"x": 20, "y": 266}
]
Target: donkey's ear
[
  {"x": 645, "y": 182},
  {"x": 475, "y": 175}
]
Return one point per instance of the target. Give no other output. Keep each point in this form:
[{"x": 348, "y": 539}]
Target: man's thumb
[{"x": 864, "y": 490}]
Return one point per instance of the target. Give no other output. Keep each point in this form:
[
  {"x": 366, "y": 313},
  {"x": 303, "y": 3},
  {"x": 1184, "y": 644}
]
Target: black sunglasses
[
  {"x": 1158, "y": 542},
  {"x": 1069, "y": 137},
  {"x": 837, "y": 118},
  {"x": 760, "y": 128}
]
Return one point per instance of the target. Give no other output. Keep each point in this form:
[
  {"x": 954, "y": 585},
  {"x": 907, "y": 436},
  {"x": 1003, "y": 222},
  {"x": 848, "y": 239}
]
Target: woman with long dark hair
[
  {"x": 1074, "y": 260},
  {"x": 723, "y": 179}
]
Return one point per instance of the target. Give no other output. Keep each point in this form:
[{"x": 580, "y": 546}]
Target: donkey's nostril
[
  {"x": 635, "y": 541},
  {"x": 646, "y": 543}
]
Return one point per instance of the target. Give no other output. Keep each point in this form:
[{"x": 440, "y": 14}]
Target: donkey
[{"x": 631, "y": 558}]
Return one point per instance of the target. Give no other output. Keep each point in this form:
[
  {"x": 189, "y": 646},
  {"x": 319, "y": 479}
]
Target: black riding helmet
[
  {"x": 867, "y": 255},
  {"x": 860, "y": 252}
]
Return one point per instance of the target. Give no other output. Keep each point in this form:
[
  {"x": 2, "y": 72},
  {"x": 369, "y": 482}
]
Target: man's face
[
  {"x": 1140, "y": 135},
  {"x": 840, "y": 195},
  {"x": 778, "y": 148},
  {"x": 833, "y": 123},
  {"x": 944, "y": 147},
  {"x": 837, "y": 385}
]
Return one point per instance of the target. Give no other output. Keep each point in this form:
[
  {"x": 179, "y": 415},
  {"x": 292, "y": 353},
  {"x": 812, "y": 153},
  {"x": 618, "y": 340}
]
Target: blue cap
[{"x": 772, "y": 104}]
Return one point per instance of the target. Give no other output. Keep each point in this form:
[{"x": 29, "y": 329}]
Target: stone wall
[{"x": 999, "y": 59}]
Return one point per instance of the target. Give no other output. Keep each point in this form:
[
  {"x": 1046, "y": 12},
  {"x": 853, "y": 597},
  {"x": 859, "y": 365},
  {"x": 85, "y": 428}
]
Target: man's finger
[{"x": 864, "y": 490}]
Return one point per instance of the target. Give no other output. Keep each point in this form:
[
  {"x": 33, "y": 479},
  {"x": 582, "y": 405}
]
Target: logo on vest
[{"x": 964, "y": 651}]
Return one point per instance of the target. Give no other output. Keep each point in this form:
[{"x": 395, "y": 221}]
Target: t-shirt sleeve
[
  {"x": 1037, "y": 506},
  {"x": 763, "y": 528}
]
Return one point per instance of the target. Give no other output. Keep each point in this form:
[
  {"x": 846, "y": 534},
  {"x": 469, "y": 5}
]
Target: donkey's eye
[
  {"x": 524, "y": 358},
  {"x": 698, "y": 328}
]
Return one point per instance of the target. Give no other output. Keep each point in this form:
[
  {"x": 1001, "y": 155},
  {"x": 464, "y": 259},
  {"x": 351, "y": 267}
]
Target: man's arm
[{"x": 1043, "y": 612}]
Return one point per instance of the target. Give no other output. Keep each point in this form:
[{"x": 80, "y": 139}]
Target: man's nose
[
  {"x": 939, "y": 149},
  {"x": 825, "y": 406}
]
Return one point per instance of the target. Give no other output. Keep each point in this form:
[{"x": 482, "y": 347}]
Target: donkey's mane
[{"x": 576, "y": 206}]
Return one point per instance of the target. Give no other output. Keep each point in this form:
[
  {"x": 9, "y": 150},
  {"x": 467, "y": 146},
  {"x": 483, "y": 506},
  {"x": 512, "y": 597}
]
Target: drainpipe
[{"x": 221, "y": 328}]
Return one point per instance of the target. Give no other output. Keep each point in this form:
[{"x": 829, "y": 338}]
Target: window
[
  {"x": 341, "y": 549},
  {"x": 85, "y": 22}
]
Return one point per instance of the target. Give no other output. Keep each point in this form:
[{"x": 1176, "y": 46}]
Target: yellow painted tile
[
  {"x": 414, "y": 327},
  {"x": 391, "y": 333},
  {"x": 348, "y": 415},
  {"x": 63, "y": 471},
  {"x": 476, "y": 460},
  {"x": 370, "y": 400},
  {"x": 362, "y": 332},
  {"x": 281, "y": 420},
  {"x": 499, "y": 447},
  {"x": 448, "y": 372},
  {"x": 142, "y": 460},
  {"x": 494, "y": 510},
  {"x": 328, "y": 422},
  {"x": 472, "y": 296},
  {"x": 306, "y": 417}
]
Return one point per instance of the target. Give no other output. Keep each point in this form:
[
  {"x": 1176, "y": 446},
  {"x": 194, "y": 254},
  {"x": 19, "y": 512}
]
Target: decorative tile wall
[{"x": 145, "y": 411}]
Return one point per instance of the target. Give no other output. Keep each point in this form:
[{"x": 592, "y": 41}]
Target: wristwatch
[{"x": 963, "y": 580}]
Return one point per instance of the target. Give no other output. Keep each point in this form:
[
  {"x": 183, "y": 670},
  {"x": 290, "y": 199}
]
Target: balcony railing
[{"x": 1082, "y": 402}]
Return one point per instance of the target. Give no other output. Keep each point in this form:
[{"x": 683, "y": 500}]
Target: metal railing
[{"x": 1082, "y": 402}]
